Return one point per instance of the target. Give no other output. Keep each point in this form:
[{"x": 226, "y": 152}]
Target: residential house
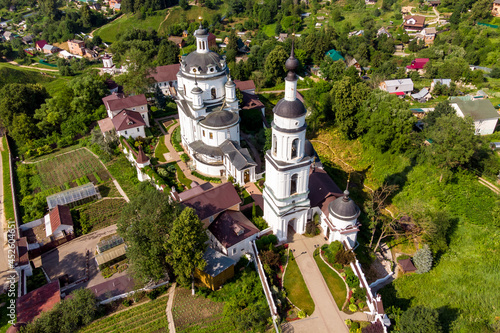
[
  {"x": 129, "y": 124},
  {"x": 229, "y": 231},
  {"x": 422, "y": 96},
  {"x": 414, "y": 23},
  {"x": 166, "y": 78},
  {"x": 334, "y": 55},
  {"x": 76, "y": 46},
  {"x": 58, "y": 222},
  {"x": 399, "y": 87},
  {"x": 8, "y": 36},
  {"x": 445, "y": 82},
  {"x": 427, "y": 35},
  {"x": 356, "y": 33},
  {"x": 482, "y": 112},
  {"x": 116, "y": 103},
  {"x": 66, "y": 55},
  {"x": 370, "y": 2},
  {"x": 90, "y": 54},
  {"x": 219, "y": 269},
  {"x": 318, "y": 25},
  {"x": 247, "y": 86},
  {"x": 417, "y": 65},
  {"x": 50, "y": 49},
  {"x": 383, "y": 31},
  {"x": 406, "y": 9},
  {"x": 40, "y": 44},
  {"x": 434, "y": 3},
  {"x": 115, "y": 5},
  {"x": 28, "y": 39},
  {"x": 282, "y": 37},
  {"x": 495, "y": 10},
  {"x": 179, "y": 41},
  {"x": 350, "y": 61},
  {"x": 320, "y": 18},
  {"x": 43, "y": 299},
  {"x": 185, "y": 34}
]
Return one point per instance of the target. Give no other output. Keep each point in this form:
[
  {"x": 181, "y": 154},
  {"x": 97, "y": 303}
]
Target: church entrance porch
[{"x": 246, "y": 177}]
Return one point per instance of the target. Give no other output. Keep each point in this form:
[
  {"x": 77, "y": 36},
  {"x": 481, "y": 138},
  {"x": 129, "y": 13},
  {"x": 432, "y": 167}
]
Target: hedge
[
  {"x": 7, "y": 198},
  {"x": 176, "y": 139},
  {"x": 208, "y": 179}
]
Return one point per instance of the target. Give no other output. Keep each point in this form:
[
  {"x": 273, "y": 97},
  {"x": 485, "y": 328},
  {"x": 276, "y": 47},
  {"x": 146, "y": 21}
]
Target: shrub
[
  {"x": 348, "y": 322},
  {"x": 353, "y": 307},
  {"x": 423, "y": 260},
  {"x": 355, "y": 325},
  {"x": 260, "y": 222},
  {"x": 301, "y": 314},
  {"x": 344, "y": 257},
  {"x": 374, "y": 328},
  {"x": 352, "y": 281},
  {"x": 185, "y": 158},
  {"x": 361, "y": 305},
  {"x": 208, "y": 179},
  {"x": 127, "y": 302},
  {"x": 359, "y": 293}
]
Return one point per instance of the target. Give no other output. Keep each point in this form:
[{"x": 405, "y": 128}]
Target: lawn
[
  {"x": 7, "y": 198},
  {"x": 247, "y": 198},
  {"x": 178, "y": 15},
  {"x": 109, "y": 31},
  {"x": 198, "y": 314},
  {"x": 37, "y": 280},
  {"x": 296, "y": 288},
  {"x": 148, "y": 317},
  {"x": 269, "y": 30},
  {"x": 334, "y": 282},
  {"x": 125, "y": 174},
  {"x": 161, "y": 149},
  {"x": 181, "y": 177},
  {"x": 175, "y": 139}
]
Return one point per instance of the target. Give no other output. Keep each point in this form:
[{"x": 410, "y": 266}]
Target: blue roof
[
  {"x": 335, "y": 55},
  {"x": 216, "y": 262}
]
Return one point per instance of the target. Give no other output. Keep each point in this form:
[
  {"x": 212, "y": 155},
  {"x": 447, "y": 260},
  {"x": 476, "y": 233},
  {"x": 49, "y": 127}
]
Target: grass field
[
  {"x": 333, "y": 281},
  {"x": 109, "y": 31},
  {"x": 10, "y": 74},
  {"x": 102, "y": 213},
  {"x": 198, "y": 314},
  {"x": 7, "y": 198},
  {"x": 296, "y": 288},
  {"x": 178, "y": 15},
  {"x": 125, "y": 174},
  {"x": 148, "y": 317},
  {"x": 60, "y": 170},
  {"x": 161, "y": 149}
]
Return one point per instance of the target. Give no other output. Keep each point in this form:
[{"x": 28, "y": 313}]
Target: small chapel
[{"x": 209, "y": 114}]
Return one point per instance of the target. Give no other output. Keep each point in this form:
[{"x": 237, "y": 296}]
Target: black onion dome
[
  {"x": 203, "y": 61},
  {"x": 344, "y": 208},
  {"x": 196, "y": 90},
  {"x": 289, "y": 109},
  {"x": 220, "y": 118},
  {"x": 292, "y": 63}
]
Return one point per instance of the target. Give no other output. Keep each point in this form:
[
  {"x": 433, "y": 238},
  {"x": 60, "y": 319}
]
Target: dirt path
[
  {"x": 168, "y": 310},
  {"x": 166, "y": 17},
  {"x": 489, "y": 185},
  {"x": 32, "y": 67}
]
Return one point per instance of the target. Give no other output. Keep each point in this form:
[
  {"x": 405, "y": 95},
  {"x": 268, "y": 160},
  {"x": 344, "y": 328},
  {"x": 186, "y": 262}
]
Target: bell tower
[{"x": 286, "y": 201}]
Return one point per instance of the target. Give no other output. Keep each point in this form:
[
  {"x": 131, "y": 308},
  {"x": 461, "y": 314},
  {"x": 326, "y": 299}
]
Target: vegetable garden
[{"x": 97, "y": 215}]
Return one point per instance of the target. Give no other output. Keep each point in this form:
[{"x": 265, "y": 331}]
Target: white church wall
[
  {"x": 289, "y": 122},
  {"x": 284, "y": 145},
  {"x": 207, "y": 169},
  {"x": 340, "y": 224}
]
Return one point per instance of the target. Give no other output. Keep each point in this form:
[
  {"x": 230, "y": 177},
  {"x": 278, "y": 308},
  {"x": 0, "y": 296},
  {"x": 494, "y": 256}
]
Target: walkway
[
  {"x": 255, "y": 193},
  {"x": 326, "y": 316},
  {"x": 4, "y": 266},
  {"x": 168, "y": 310}
]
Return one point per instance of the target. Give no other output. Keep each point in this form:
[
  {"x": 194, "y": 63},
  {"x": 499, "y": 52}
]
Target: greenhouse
[{"x": 74, "y": 196}]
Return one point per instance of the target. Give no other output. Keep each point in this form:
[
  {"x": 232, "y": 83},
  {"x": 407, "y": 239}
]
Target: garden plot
[
  {"x": 65, "y": 170},
  {"x": 149, "y": 317},
  {"x": 198, "y": 314}
]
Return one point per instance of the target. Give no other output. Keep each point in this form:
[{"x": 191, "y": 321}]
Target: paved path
[
  {"x": 4, "y": 266},
  {"x": 255, "y": 193},
  {"x": 170, "y": 316},
  {"x": 326, "y": 316}
]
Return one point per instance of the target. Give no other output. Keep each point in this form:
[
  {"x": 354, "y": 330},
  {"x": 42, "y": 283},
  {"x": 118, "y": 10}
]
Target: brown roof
[
  {"x": 118, "y": 102},
  {"x": 37, "y": 301},
  {"x": 106, "y": 125},
  {"x": 321, "y": 187},
  {"x": 60, "y": 215},
  {"x": 141, "y": 157},
  {"x": 211, "y": 36},
  {"x": 166, "y": 73},
  {"x": 127, "y": 119},
  {"x": 245, "y": 85},
  {"x": 176, "y": 40},
  {"x": 232, "y": 227},
  {"x": 114, "y": 287},
  {"x": 214, "y": 201},
  {"x": 22, "y": 256},
  {"x": 419, "y": 21},
  {"x": 406, "y": 265},
  {"x": 251, "y": 101}
]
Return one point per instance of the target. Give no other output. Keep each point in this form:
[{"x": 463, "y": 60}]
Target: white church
[
  {"x": 296, "y": 189},
  {"x": 209, "y": 115}
]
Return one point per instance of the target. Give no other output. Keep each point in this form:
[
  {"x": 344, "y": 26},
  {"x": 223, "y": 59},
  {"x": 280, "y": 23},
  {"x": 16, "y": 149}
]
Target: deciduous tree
[{"x": 420, "y": 319}]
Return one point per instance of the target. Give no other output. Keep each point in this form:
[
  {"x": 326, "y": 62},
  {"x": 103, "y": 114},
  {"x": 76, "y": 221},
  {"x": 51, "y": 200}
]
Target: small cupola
[
  {"x": 230, "y": 90},
  {"x": 201, "y": 40},
  {"x": 197, "y": 97}
]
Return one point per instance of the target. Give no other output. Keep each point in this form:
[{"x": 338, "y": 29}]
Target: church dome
[
  {"x": 344, "y": 208},
  {"x": 289, "y": 109},
  {"x": 205, "y": 63},
  {"x": 222, "y": 118},
  {"x": 196, "y": 90}
]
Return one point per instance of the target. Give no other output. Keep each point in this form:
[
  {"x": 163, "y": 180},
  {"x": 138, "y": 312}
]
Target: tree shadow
[
  {"x": 400, "y": 179},
  {"x": 390, "y": 298},
  {"x": 447, "y": 316}
]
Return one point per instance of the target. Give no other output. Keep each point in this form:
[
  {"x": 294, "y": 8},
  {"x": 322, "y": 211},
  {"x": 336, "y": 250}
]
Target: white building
[
  {"x": 109, "y": 67},
  {"x": 116, "y": 102},
  {"x": 209, "y": 115},
  {"x": 166, "y": 78},
  {"x": 129, "y": 124},
  {"x": 398, "y": 87},
  {"x": 481, "y": 111},
  {"x": 285, "y": 196}
]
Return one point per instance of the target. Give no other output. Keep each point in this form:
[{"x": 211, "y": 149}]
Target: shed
[
  {"x": 112, "y": 255},
  {"x": 218, "y": 270},
  {"x": 334, "y": 55},
  {"x": 406, "y": 266},
  {"x": 73, "y": 197}
]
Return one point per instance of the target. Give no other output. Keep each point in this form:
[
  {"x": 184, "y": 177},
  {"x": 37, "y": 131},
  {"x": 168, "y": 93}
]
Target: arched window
[
  {"x": 293, "y": 184},
  {"x": 275, "y": 145},
  {"x": 214, "y": 93},
  {"x": 295, "y": 148}
]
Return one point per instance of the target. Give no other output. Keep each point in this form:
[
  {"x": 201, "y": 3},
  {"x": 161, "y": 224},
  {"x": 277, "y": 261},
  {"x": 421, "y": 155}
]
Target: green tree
[
  {"x": 481, "y": 10},
  {"x": 232, "y": 47},
  {"x": 275, "y": 64},
  {"x": 18, "y": 98},
  {"x": 185, "y": 246},
  {"x": 168, "y": 53},
  {"x": 145, "y": 224},
  {"x": 420, "y": 319},
  {"x": 137, "y": 79},
  {"x": 423, "y": 260},
  {"x": 332, "y": 70}
]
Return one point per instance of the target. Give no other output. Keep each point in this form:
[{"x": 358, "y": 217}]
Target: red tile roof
[
  {"x": 41, "y": 43},
  {"x": 419, "y": 21},
  {"x": 166, "y": 73},
  {"x": 141, "y": 157},
  {"x": 106, "y": 125},
  {"x": 58, "y": 216},
  {"x": 118, "y": 102},
  {"x": 232, "y": 227},
  {"x": 251, "y": 101},
  {"x": 214, "y": 201},
  {"x": 22, "y": 256},
  {"x": 37, "y": 301},
  {"x": 245, "y": 85},
  {"x": 211, "y": 36},
  {"x": 127, "y": 119},
  {"x": 321, "y": 187},
  {"x": 406, "y": 265},
  {"x": 418, "y": 63}
]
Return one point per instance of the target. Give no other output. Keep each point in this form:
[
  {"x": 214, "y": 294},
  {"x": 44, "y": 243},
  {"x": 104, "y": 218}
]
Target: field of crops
[
  {"x": 198, "y": 314},
  {"x": 101, "y": 214},
  {"x": 67, "y": 168},
  {"x": 149, "y": 317}
]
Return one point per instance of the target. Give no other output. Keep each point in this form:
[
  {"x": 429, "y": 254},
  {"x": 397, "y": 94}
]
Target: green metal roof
[
  {"x": 479, "y": 109},
  {"x": 334, "y": 55}
]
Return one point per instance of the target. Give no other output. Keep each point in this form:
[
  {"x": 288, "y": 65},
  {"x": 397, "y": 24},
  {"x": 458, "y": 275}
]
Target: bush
[
  {"x": 355, "y": 325},
  {"x": 353, "y": 307},
  {"x": 127, "y": 302},
  {"x": 361, "y": 305},
  {"x": 344, "y": 257},
  {"x": 205, "y": 178},
  {"x": 263, "y": 242},
  {"x": 185, "y": 158},
  {"x": 423, "y": 260},
  {"x": 260, "y": 222},
  {"x": 359, "y": 293},
  {"x": 301, "y": 314}
]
